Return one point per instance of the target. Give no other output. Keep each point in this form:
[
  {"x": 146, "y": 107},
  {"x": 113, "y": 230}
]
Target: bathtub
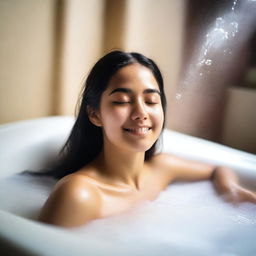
[{"x": 186, "y": 219}]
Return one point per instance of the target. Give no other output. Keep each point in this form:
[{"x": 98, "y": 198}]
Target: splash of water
[{"x": 229, "y": 30}]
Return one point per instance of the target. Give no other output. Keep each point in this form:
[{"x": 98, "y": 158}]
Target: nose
[{"x": 139, "y": 112}]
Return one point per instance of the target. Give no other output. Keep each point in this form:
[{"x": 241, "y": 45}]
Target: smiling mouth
[{"x": 138, "y": 131}]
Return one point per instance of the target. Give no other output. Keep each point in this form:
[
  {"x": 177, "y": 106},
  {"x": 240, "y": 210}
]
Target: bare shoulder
[
  {"x": 163, "y": 164},
  {"x": 179, "y": 168},
  {"x": 161, "y": 158},
  {"x": 73, "y": 201},
  {"x": 164, "y": 160}
]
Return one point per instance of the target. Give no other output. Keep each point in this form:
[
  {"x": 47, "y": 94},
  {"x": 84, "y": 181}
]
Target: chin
[{"x": 141, "y": 147}]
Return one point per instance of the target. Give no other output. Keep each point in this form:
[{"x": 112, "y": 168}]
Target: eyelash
[
  {"x": 120, "y": 102},
  {"x": 126, "y": 102}
]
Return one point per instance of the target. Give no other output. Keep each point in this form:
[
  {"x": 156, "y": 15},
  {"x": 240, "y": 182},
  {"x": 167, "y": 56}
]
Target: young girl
[{"x": 109, "y": 163}]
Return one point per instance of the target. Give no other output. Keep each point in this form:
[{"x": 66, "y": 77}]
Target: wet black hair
[{"x": 85, "y": 141}]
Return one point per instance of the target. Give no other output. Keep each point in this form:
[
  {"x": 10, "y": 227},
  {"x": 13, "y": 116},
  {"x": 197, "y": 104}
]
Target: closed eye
[
  {"x": 120, "y": 102},
  {"x": 127, "y": 102},
  {"x": 151, "y": 103}
]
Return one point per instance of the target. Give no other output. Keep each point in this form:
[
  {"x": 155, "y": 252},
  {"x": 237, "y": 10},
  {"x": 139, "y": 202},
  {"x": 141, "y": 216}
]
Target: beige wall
[
  {"x": 81, "y": 46},
  {"x": 46, "y": 50},
  {"x": 239, "y": 128},
  {"x": 26, "y": 48}
]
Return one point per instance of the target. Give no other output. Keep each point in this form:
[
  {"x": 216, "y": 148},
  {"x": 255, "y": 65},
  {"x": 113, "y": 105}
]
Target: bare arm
[
  {"x": 73, "y": 202},
  {"x": 223, "y": 178},
  {"x": 227, "y": 184}
]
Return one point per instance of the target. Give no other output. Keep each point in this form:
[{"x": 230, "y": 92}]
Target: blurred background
[{"x": 204, "y": 48}]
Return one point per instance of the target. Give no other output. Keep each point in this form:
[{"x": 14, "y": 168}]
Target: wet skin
[{"x": 131, "y": 118}]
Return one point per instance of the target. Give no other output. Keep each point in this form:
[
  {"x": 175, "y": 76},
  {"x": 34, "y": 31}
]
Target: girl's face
[{"x": 131, "y": 113}]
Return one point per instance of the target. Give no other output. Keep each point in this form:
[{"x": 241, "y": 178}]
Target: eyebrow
[{"x": 129, "y": 91}]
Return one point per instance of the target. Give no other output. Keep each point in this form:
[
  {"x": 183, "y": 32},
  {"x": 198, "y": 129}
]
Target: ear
[{"x": 93, "y": 116}]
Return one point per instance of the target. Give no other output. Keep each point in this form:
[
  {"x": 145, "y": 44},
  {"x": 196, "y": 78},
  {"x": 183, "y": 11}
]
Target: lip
[{"x": 138, "y": 130}]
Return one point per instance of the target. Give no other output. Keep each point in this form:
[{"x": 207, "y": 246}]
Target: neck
[{"x": 124, "y": 168}]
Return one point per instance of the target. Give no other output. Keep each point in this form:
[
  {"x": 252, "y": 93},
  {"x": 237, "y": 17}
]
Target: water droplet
[
  {"x": 219, "y": 22},
  {"x": 201, "y": 63},
  {"x": 234, "y": 4},
  {"x": 178, "y": 96},
  {"x": 208, "y": 62},
  {"x": 200, "y": 74},
  {"x": 234, "y": 28}
]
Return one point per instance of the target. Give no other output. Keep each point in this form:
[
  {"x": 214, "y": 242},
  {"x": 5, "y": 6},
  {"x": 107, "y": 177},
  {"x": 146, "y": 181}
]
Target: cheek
[
  {"x": 112, "y": 117},
  {"x": 158, "y": 116}
]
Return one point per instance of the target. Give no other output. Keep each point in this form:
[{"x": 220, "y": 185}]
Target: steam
[{"x": 217, "y": 51}]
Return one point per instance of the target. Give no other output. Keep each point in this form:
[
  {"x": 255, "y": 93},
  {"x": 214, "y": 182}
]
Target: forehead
[{"x": 134, "y": 76}]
